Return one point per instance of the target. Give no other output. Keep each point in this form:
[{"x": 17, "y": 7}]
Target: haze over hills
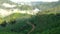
[
  {"x": 29, "y": 6},
  {"x": 39, "y": 5},
  {"x": 33, "y": 5}
]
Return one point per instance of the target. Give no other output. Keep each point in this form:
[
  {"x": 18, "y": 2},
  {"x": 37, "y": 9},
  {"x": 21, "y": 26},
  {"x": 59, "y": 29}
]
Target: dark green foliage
[
  {"x": 52, "y": 31},
  {"x": 13, "y": 22},
  {"x": 45, "y": 22},
  {"x": 3, "y": 24}
]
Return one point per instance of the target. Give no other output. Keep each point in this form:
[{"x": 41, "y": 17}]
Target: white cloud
[
  {"x": 8, "y": 5},
  {"x": 33, "y": 0}
]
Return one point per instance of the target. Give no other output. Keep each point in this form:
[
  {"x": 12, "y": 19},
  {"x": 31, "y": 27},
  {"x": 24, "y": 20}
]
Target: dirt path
[{"x": 33, "y": 27}]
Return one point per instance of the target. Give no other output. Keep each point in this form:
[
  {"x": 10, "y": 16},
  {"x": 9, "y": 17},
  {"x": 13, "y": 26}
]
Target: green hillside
[{"x": 44, "y": 22}]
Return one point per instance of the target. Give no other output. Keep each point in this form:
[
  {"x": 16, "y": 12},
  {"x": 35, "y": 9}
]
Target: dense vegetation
[
  {"x": 44, "y": 24},
  {"x": 14, "y": 24},
  {"x": 47, "y": 23}
]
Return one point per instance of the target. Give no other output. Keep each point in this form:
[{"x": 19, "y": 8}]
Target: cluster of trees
[
  {"x": 15, "y": 23},
  {"x": 22, "y": 28},
  {"x": 4, "y": 23},
  {"x": 46, "y": 23}
]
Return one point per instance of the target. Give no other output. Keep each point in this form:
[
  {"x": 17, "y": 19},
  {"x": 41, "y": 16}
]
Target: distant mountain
[
  {"x": 30, "y": 5},
  {"x": 42, "y": 5},
  {"x": 45, "y": 5}
]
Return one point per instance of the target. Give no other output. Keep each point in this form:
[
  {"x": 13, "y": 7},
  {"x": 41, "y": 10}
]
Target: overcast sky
[{"x": 33, "y": 0}]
